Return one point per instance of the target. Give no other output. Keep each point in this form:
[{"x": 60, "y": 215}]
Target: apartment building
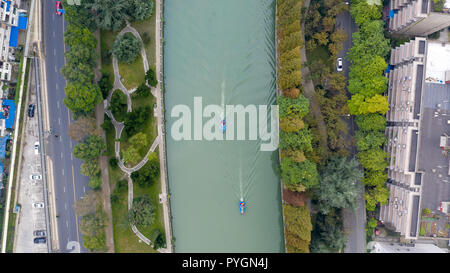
[
  {"x": 418, "y": 115},
  {"x": 418, "y": 17}
]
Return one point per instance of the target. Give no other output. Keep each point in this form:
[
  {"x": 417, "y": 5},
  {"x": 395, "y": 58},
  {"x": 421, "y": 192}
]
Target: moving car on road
[
  {"x": 59, "y": 8},
  {"x": 35, "y": 177},
  {"x": 339, "y": 64},
  {"x": 38, "y": 205},
  {"x": 40, "y": 240},
  {"x": 40, "y": 233}
]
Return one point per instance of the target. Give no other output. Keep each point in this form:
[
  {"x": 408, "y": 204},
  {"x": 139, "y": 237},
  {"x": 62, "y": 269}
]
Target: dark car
[
  {"x": 40, "y": 240},
  {"x": 31, "y": 110},
  {"x": 39, "y": 233}
]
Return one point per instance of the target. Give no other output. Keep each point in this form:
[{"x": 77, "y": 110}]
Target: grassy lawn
[{"x": 132, "y": 74}]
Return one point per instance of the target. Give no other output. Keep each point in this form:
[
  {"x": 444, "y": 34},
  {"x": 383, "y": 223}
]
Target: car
[
  {"x": 35, "y": 177},
  {"x": 59, "y": 7},
  {"x": 40, "y": 240},
  {"x": 36, "y": 148},
  {"x": 339, "y": 64},
  {"x": 31, "y": 110},
  {"x": 38, "y": 205},
  {"x": 40, "y": 233}
]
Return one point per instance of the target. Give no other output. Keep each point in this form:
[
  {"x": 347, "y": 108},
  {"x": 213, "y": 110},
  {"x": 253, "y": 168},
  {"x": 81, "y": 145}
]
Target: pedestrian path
[{"x": 118, "y": 126}]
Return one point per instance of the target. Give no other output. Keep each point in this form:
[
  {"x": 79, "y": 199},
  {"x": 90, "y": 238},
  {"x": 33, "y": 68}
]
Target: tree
[
  {"x": 82, "y": 127},
  {"x": 90, "y": 168},
  {"x": 359, "y": 105},
  {"x": 321, "y": 38},
  {"x": 374, "y": 178},
  {"x": 291, "y": 93},
  {"x": 158, "y": 238},
  {"x": 90, "y": 149},
  {"x": 80, "y": 15},
  {"x": 131, "y": 155},
  {"x": 139, "y": 141},
  {"x": 80, "y": 98},
  {"x": 329, "y": 23},
  {"x": 296, "y": 140},
  {"x": 126, "y": 48},
  {"x": 363, "y": 12},
  {"x": 369, "y": 140},
  {"x": 297, "y": 228},
  {"x": 366, "y": 77},
  {"x": 290, "y": 42},
  {"x": 118, "y": 105},
  {"x": 371, "y": 122},
  {"x": 374, "y": 159},
  {"x": 76, "y": 35},
  {"x": 291, "y": 124},
  {"x": 150, "y": 76},
  {"x": 336, "y": 82},
  {"x": 110, "y": 15},
  {"x": 95, "y": 182},
  {"x": 369, "y": 41},
  {"x": 339, "y": 186},
  {"x": 140, "y": 10},
  {"x": 135, "y": 119},
  {"x": 298, "y": 106},
  {"x": 142, "y": 212},
  {"x": 328, "y": 234},
  {"x": 105, "y": 84},
  {"x": 148, "y": 174},
  {"x": 373, "y": 196},
  {"x": 142, "y": 91},
  {"x": 299, "y": 176},
  {"x": 294, "y": 155}
]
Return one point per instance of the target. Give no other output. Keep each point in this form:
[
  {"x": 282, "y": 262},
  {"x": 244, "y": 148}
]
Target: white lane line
[
  {"x": 60, "y": 139},
  {"x": 63, "y": 175},
  {"x": 57, "y": 104},
  {"x": 65, "y": 206},
  {"x": 67, "y": 224},
  {"x": 54, "y": 35},
  {"x": 59, "y": 121},
  {"x": 84, "y": 189},
  {"x": 64, "y": 187},
  {"x": 54, "y": 52},
  {"x": 57, "y": 86},
  {"x": 56, "y": 71},
  {"x": 61, "y": 155}
]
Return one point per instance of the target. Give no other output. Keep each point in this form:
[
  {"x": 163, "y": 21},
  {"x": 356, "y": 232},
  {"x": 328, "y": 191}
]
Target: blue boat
[
  {"x": 242, "y": 207},
  {"x": 223, "y": 125}
]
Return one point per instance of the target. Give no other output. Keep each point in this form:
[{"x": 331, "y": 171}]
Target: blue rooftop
[
  {"x": 9, "y": 113},
  {"x": 8, "y": 4},
  {"x": 3, "y": 141},
  {"x": 23, "y": 19}
]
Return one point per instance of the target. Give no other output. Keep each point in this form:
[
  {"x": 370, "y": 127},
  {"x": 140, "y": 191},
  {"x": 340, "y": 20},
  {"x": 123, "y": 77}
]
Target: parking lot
[{"x": 31, "y": 191}]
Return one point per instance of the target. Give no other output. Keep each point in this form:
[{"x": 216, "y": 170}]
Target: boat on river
[
  {"x": 242, "y": 207},
  {"x": 223, "y": 125}
]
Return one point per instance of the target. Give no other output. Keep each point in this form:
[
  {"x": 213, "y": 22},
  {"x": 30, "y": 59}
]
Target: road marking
[
  {"x": 67, "y": 224},
  {"x": 61, "y": 155},
  {"x": 54, "y": 52},
  {"x": 65, "y": 206},
  {"x": 56, "y": 69},
  {"x": 59, "y": 121},
  {"x": 84, "y": 189},
  {"x": 57, "y": 104},
  {"x": 64, "y": 187},
  {"x": 63, "y": 175},
  {"x": 54, "y": 35},
  {"x": 57, "y": 86}
]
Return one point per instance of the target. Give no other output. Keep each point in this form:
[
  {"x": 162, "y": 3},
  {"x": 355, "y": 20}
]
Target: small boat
[
  {"x": 242, "y": 207},
  {"x": 223, "y": 125}
]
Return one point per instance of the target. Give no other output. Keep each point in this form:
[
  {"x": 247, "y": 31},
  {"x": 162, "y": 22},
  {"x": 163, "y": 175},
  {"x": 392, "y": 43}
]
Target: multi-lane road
[{"x": 69, "y": 184}]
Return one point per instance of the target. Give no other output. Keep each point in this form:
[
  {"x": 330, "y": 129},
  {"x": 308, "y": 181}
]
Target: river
[{"x": 224, "y": 52}]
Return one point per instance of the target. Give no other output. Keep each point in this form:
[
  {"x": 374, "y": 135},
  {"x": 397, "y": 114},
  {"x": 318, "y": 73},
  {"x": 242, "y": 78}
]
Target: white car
[
  {"x": 36, "y": 148},
  {"x": 35, "y": 177},
  {"x": 339, "y": 64},
  {"x": 38, "y": 205}
]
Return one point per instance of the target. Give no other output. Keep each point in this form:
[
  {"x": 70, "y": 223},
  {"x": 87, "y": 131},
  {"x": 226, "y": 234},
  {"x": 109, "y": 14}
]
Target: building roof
[
  {"x": 10, "y": 116},
  {"x": 437, "y": 62},
  {"x": 23, "y": 19},
  {"x": 3, "y": 141}
]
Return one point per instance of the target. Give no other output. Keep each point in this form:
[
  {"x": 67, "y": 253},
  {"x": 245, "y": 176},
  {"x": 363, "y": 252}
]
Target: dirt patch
[{"x": 297, "y": 199}]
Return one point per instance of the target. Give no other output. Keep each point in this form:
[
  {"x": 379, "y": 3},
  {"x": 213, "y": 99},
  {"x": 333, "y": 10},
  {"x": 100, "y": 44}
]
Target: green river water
[{"x": 224, "y": 52}]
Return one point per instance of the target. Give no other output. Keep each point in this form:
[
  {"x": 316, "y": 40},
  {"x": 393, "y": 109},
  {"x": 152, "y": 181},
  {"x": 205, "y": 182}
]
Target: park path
[{"x": 160, "y": 139}]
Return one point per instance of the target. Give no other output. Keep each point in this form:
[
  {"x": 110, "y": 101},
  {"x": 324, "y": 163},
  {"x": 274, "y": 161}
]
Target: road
[
  {"x": 69, "y": 184},
  {"x": 354, "y": 221}
]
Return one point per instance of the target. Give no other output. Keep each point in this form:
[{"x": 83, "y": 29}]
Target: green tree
[
  {"x": 118, "y": 105},
  {"x": 369, "y": 140},
  {"x": 90, "y": 149},
  {"x": 126, "y": 48},
  {"x": 142, "y": 212},
  {"x": 298, "y": 106},
  {"x": 359, "y": 105},
  {"x": 150, "y": 76},
  {"x": 148, "y": 174},
  {"x": 363, "y": 12},
  {"x": 371, "y": 122},
  {"x": 90, "y": 168},
  {"x": 299, "y": 176},
  {"x": 105, "y": 84},
  {"x": 79, "y": 15},
  {"x": 131, "y": 155},
  {"x": 140, "y": 10},
  {"x": 366, "y": 77},
  {"x": 80, "y": 98},
  {"x": 374, "y": 178},
  {"x": 110, "y": 14},
  {"x": 296, "y": 140},
  {"x": 339, "y": 186},
  {"x": 142, "y": 91},
  {"x": 376, "y": 195},
  {"x": 139, "y": 141},
  {"x": 373, "y": 159},
  {"x": 95, "y": 182}
]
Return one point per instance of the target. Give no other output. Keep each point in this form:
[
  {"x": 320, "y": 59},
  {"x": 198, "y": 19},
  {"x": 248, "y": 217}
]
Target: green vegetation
[
  {"x": 327, "y": 235},
  {"x": 90, "y": 150},
  {"x": 142, "y": 212},
  {"x": 367, "y": 84},
  {"x": 297, "y": 228},
  {"x": 126, "y": 48},
  {"x": 118, "y": 105}
]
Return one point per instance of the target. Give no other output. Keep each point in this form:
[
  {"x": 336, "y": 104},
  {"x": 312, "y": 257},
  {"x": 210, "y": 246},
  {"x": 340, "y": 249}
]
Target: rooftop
[{"x": 436, "y": 64}]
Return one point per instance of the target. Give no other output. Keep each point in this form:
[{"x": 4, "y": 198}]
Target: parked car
[
  {"x": 31, "y": 110},
  {"x": 339, "y": 64},
  {"x": 40, "y": 240},
  {"x": 35, "y": 177},
  {"x": 58, "y": 7},
  {"x": 36, "y": 148},
  {"x": 40, "y": 233},
  {"x": 38, "y": 205}
]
